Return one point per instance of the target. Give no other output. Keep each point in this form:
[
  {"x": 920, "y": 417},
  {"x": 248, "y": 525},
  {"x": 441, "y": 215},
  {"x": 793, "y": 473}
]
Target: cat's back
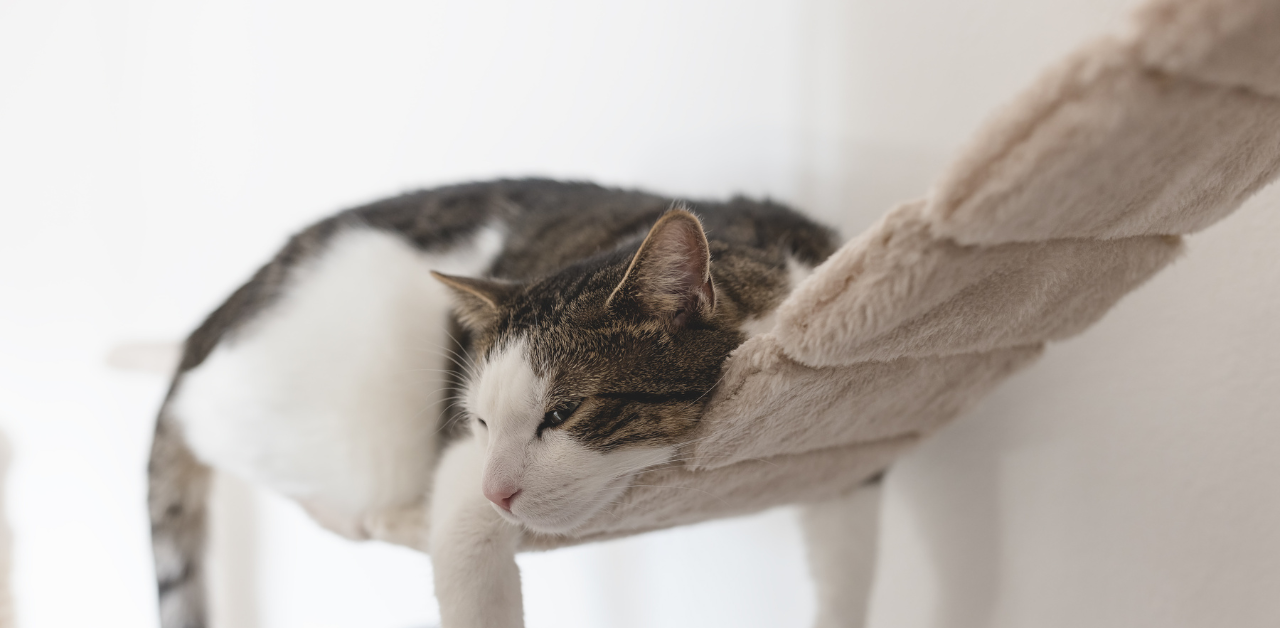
[
  {"x": 517, "y": 229},
  {"x": 564, "y": 223},
  {"x": 533, "y": 225}
]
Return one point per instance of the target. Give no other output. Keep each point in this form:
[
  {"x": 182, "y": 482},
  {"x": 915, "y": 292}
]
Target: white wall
[
  {"x": 1132, "y": 477},
  {"x": 152, "y": 153}
]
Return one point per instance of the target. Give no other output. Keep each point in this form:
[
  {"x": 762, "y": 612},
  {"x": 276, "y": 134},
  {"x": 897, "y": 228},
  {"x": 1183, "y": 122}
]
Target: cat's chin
[{"x": 565, "y": 520}]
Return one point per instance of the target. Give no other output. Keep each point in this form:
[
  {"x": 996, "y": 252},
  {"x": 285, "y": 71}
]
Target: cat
[{"x": 449, "y": 367}]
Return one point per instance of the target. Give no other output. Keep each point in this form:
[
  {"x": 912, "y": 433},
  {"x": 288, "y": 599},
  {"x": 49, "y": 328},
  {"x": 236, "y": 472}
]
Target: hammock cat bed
[{"x": 1073, "y": 195}]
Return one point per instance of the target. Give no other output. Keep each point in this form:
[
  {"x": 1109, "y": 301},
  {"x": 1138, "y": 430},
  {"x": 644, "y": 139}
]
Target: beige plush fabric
[{"x": 1071, "y": 196}]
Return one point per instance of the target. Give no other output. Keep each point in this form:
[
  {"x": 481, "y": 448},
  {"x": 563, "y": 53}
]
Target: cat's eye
[
  {"x": 483, "y": 424},
  {"x": 559, "y": 415}
]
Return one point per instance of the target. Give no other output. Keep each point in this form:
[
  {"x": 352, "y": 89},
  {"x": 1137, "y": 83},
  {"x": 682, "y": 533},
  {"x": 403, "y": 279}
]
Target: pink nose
[{"x": 501, "y": 495}]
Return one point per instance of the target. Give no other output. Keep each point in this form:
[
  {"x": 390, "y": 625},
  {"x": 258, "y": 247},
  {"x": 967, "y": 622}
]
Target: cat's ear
[
  {"x": 476, "y": 301},
  {"x": 670, "y": 276}
]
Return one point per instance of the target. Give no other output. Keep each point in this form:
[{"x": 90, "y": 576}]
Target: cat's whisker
[
  {"x": 691, "y": 488},
  {"x": 457, "y": 358},
  {"x": 420, "y": 412},
  {"x": 708, "y": 391},
  {"x": 710, "y": 458},
  {"x": 429, "y": 370},
  {"x": 450, "y": 422}
]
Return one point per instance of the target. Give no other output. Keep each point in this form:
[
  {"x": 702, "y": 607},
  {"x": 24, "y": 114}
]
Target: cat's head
[{"x": 584, "y": 378}]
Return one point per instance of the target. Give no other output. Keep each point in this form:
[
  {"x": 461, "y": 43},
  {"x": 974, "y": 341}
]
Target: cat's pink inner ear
[{"x": 670, "y": 276}]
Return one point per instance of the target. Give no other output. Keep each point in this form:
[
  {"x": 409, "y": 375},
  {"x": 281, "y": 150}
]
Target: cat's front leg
[
  {"x": 472, "y": 548},
  {"x": 842, "y": 535}
]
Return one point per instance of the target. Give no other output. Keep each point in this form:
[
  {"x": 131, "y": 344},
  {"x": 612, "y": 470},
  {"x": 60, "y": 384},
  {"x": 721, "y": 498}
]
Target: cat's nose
[{"x": 501, "y": 495}]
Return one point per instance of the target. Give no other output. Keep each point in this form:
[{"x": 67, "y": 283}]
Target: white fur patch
[
  {"x": 566, "y": 482},
  {"x": 331, "y": 396},
  {"x": 561, "y": 481},
  {"x": 506, "y": 393},
  {"x": 472, "y": 548}
]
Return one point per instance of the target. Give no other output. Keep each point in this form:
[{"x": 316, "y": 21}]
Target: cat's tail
[{"x": 178, "y": 499}]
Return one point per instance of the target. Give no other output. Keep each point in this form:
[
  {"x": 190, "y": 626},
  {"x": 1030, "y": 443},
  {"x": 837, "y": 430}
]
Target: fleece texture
[{"x": 1071, "y": 196}]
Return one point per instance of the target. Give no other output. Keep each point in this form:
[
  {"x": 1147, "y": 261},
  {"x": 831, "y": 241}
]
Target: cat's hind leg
[
  {"x": 472, "y": 548},
  {"x": 842, "y": 535}
]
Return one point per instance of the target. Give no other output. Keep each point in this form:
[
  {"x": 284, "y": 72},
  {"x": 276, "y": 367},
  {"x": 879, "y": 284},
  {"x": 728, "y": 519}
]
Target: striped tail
[{"x": 178, "y": 501}]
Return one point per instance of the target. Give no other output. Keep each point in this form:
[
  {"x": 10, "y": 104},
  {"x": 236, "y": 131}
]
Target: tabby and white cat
[{"x": 584, "y": 355}]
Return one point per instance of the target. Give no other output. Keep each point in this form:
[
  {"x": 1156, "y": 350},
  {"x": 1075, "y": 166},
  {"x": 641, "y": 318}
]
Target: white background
[{"x": 152, "y": 154}]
